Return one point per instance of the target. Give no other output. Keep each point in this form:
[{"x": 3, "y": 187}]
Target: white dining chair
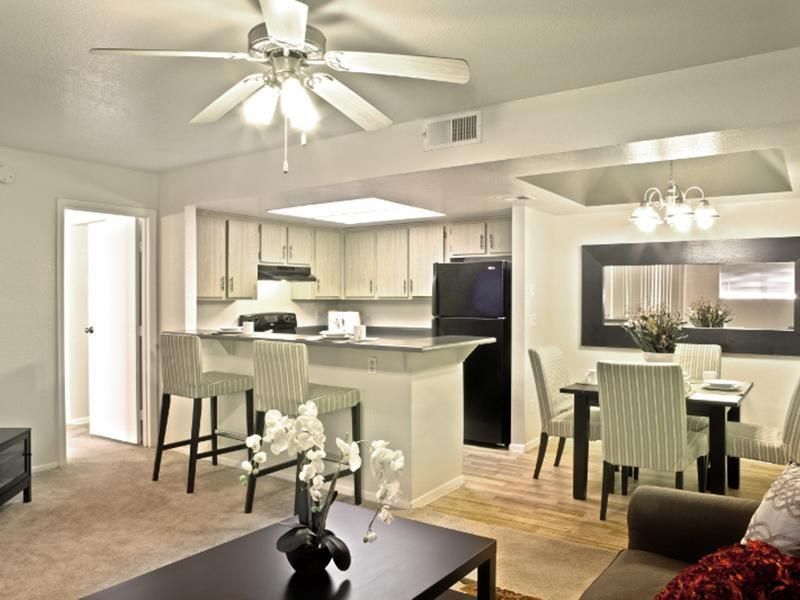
[
  {"x": 767, "y": 444},
  {"x": 694, "y": 359},
  {"x": 643, "y": 420},
  {"x": 556, "y": 410}
]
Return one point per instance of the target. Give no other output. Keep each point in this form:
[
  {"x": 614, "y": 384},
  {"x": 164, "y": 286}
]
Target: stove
[{"x": 278, "y": 322}]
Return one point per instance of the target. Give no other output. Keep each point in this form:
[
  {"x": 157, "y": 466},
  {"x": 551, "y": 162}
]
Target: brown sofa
[{"x": 667, "y": 530}]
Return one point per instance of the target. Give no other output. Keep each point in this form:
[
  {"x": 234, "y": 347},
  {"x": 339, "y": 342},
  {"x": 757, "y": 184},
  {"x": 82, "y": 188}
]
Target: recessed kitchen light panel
[{"x": 359, "y": 211}]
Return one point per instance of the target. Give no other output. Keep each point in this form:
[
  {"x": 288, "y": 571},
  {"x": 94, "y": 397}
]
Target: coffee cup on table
[
  {"x": 591, "y": 376},
  {"x": 359, "y": 333},
  {"x": 709, "y": 375}
]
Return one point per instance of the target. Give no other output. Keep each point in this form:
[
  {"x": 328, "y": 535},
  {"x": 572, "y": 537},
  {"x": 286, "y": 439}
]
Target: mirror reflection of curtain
[{"x": 627, "y": 289}]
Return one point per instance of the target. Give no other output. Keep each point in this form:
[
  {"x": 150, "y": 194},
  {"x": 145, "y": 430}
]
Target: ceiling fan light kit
[{"x": 289, "y": 49}]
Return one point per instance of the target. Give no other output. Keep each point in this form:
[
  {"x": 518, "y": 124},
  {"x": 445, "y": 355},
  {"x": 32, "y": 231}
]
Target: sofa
[{"x": 667, "y": 530}]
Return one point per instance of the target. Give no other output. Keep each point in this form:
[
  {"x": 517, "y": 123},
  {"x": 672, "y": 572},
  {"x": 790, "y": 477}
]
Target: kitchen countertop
[{"x": 397, "y": 344}]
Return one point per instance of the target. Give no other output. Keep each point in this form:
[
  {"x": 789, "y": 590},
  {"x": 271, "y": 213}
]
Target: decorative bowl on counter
[{"x": 335, "y": 335}]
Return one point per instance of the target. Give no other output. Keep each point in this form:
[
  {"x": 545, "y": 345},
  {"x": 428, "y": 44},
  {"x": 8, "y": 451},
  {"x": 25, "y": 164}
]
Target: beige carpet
[{"x": 100, "y": 520}]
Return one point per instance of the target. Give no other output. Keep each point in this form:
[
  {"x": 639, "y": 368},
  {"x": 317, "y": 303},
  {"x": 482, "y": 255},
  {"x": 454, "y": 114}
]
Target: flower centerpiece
[
  {"x": 708, "y": 313},
  {"x": 309, "y": 545},
  {"x": 656, "y": 331}
]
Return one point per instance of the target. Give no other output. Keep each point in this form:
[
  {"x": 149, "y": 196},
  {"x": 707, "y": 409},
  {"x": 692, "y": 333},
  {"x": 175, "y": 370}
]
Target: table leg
[
  {"x": 733, "y": 461},
  {"x": 580, "y": 447},
  {"x": 716, "y": 450},
  {"x": 487, "y": 586}
]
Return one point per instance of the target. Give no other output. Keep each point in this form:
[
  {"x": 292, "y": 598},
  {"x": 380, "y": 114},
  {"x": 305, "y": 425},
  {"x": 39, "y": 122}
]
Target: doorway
[{"x": 105, "y": 323}]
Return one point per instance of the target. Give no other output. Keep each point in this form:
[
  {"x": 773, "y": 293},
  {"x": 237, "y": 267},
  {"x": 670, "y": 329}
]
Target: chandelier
[{"x": 673, "y": 208}]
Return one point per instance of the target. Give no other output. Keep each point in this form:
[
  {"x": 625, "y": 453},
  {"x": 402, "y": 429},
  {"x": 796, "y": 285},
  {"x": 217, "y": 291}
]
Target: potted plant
[
  {"x": 309, "y": 545},
  {"x": 656, "y": 331},
  {"x": 708, "y": 313}
]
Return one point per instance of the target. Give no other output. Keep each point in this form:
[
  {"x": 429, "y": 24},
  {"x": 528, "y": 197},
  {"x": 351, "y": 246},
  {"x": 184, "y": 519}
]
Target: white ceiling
[{"x": 134, "y": 112}]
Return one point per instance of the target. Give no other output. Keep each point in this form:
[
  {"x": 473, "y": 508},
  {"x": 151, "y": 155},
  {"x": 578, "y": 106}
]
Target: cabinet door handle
[
  {"x": 370, "y": 286},
  {"x": 283, "y": 252},
  {"x": 318, "y": 280},
  {"x": 231, "y": 282},
  {"x": 481, "y": 241},
  {"x": 222, "y": 283},
  {"x": 411, "y": 287},
  {"x": 405, "y": 283},
  {"x": 491, "y": 241},
  {"x": 290, "y": 252}
]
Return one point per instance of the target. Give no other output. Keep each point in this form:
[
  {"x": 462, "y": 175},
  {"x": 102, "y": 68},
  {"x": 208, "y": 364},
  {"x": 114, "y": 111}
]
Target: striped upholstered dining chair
[
  {"x": 555, "y": 409},
  {"x": 768, "y": 444},
  {"x": 281, "y": 383},
  {"x": 643, "y": 420},
  {"x": 694, "y": 359}
]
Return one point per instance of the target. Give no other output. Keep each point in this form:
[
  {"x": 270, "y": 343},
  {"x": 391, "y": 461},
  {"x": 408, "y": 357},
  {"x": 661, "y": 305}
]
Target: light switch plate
[
  {"x": 7, "y": 175},
  {"x": 372, "y": 365}
]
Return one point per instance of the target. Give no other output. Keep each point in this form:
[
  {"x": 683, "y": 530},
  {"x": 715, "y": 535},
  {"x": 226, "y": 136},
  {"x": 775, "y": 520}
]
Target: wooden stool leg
[
  {"x": 162, "y": 432},
  {"x": 625, "y": 473},
  {"x": 636, "y": 473},
  {"x": 248, "y": 407},
  {"x": 197, "y": 412},
  {"x": 560, "y": 450},
  {"x": 608, "y": 483},
  {"x": 251, "y": 481},
  {"x": 298, "y": 490},
  {"x": 540, "y": 456},
  {"x": 355, "y": 414},
  {"x": 214, "y": 430},
  {"x": 679, "y": 480}
]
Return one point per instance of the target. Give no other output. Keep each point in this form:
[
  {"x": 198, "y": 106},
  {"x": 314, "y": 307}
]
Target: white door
[{"x": 112, "y": 329}]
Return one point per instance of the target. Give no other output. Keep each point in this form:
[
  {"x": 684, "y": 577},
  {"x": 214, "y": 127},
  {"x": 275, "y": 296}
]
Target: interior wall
[
  {"x": 388, "y": 313},
  {"x": 28, "y": 234},
  {"x": 774, "y": 376},
  {"x": 76, "y": 315}
]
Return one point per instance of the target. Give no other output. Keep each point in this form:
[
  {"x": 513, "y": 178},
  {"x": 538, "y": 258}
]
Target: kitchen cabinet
[
  {"x": 300, "y": 245},
  {"x": 498, "y": 235},
  {"x": 273, "y": 243},
  {"x": 425, "y": 247},
  {"x": 466, "y": 238},
  {"x": 243, "y": 247},
  {"x": 359, "y": 264},
  {"x": 391, "y": 252},
  {"x": 328, "y": 263},
  {"x": 211, "y": 257}
]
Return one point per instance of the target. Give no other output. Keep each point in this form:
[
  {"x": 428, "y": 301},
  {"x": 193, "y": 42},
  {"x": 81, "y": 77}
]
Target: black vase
[
  {"x": 309, "y": 559},
  {"x": 309, "y": 554}
]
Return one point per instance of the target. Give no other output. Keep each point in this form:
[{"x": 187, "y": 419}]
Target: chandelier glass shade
[{"x": 294, "y": 101}]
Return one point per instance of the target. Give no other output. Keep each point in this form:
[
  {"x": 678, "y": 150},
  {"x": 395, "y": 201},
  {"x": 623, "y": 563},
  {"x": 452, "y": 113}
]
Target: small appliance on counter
[
  {"x": 277, "y": 322},
  {"x": 340, "y": 321},
  {"x": 474, "y": 298}
]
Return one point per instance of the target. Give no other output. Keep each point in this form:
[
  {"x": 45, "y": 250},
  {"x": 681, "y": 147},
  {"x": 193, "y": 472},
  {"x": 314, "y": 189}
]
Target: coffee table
[{"x": 409, "y": 560}]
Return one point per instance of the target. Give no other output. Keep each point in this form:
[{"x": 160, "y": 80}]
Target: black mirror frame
[{"x": 594, "y": 331}]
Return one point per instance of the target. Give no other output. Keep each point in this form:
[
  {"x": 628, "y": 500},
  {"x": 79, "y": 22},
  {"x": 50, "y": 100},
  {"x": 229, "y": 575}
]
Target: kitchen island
[{"x": 411, "y": 392}]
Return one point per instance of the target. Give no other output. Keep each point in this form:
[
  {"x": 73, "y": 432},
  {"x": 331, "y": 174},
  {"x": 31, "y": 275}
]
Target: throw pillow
[
  {"x": 753, "y": 572},
  {"x": 777, "y": 519}
]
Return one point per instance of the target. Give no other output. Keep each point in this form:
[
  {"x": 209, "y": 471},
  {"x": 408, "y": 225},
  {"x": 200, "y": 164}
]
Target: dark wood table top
[
  {"x": 8, "y": 434},
  {"x": 698, "y": 395},
  {"x": 409, "y": 560}
]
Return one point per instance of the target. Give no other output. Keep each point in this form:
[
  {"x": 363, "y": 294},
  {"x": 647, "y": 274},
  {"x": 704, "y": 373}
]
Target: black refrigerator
[{"x": 474, "y": 298}]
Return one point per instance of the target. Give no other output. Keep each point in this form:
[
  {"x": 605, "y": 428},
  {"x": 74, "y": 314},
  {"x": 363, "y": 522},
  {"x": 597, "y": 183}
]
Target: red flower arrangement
[{"x": 757, "y": 571}]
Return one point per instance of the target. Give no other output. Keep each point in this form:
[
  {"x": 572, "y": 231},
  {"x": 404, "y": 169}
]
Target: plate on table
[
  {"x": 230, "y": 330},
  {"x": 335, "y": 335},
  {"x": 721, "y": 385}
]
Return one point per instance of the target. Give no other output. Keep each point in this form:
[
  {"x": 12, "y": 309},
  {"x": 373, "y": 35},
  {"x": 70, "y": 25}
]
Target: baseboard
[
  {"x": 44, "y": 467},
  {"x": 79, "y": 421},
  {"x": 523, "y": 448},
  {"x": 434, "y": 494}
]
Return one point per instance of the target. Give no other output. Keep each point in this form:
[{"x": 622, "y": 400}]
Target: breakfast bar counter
[{"x": 411, "y": 391}]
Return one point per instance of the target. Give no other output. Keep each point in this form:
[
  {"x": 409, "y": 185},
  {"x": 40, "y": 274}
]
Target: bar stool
[
  {"x": 182, "y": 375},
  {"x": 281, "y": 383}
]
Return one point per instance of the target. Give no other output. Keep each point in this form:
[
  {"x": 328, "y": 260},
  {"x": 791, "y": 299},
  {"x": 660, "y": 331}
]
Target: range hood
[{"x": 284, "y": 273}]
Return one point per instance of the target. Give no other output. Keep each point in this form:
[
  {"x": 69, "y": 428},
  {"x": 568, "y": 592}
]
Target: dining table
[{"x": 719, "y": 406}]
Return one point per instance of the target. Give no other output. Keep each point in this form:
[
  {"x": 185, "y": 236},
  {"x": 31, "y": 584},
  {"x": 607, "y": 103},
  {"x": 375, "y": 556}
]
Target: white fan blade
[
  {"x": 450, "y": 70},
  {"x": 345, "y": 100},
  {"x": 172, "y": 53},
  {"x": 286, "y": 21},
  {"x": 238, "y": 93}
]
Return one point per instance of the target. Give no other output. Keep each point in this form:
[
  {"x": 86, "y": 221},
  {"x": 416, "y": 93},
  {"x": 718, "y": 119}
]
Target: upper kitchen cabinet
[
  {"x": 498, "y": 234},
  {"x": 211, "y": 257},
  {"x": 425, "y": 247},
  {"x": 273, "y": 243},
  {"x": 301, "y": 245},
  {"x": 359, "y": 264},
  {"x": 328, "y": 263},
  {"x": 391, "y": 277},
  {"x": 243, "y": 247},
  {"x": 466, "y": 238}
]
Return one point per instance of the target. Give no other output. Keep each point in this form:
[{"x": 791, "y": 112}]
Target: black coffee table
[{"x": 409, "y": 560}]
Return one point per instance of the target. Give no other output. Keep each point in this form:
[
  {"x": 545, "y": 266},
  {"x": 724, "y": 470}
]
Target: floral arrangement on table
[
  {"x": 708, "y": 313},
  {"x": 655, "y": 330},
  {"x": 309, "y": 546}
]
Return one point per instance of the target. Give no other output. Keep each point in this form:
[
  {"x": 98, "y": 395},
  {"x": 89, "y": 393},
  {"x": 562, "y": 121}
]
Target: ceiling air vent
[{"x": 454, "y": 130}]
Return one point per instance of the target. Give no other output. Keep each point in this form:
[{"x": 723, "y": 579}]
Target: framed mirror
[{"x": 740, "y": 294}]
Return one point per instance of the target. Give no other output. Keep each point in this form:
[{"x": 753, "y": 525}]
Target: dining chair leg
[
  {"x": 166, "y": 399},
  {"x": 702, "y": 471},
  {"x": 252, "y": 479},
  {"x": 197, "y": 412},
  {"x": 679, "y": 480},
  {"x": 608, "y": 479},
  {"x": 214, "y": 446},
  {"x": 625, "y": 472},
  {"x": 249, "y": 416},
  {"x": 636, "y": 473},
  {"x": 540, "y": 456},
  {"x": 355, "y": 414},
  {"x": 298, "y": 490},
  {"x": 560, "y": 450}
]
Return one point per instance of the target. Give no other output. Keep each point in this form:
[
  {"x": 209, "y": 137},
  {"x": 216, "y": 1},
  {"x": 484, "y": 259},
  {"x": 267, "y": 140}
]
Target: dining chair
[
  {"x": 767, "y": 444},
  {"x": 556, "y": 410},
  {"x": 694, "y": 359},
  {"x": 643, "y": 421}
]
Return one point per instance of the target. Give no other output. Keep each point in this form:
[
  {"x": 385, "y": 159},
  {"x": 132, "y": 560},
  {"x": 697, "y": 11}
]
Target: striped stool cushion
[
  {"x": 756, "y": 442},
  {"x": 215, "y": 383},
  {"x": 697, "y": 423},
  {"x": 564, "y": 424},
  {"x": 329, "y": 398}
]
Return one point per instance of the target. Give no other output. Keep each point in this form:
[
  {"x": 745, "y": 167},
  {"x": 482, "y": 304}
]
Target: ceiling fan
[{"x": 291, "y": 50}]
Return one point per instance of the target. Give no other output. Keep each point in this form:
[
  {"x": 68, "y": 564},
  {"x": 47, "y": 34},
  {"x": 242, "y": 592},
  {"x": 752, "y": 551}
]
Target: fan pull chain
[{"x": 285, "y": 145}]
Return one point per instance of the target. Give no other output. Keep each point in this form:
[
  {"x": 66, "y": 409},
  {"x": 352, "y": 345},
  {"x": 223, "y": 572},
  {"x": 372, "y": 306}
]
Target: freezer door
[
  {"x": 487, "y": 379},
  {"x": 476, "y": 289}
]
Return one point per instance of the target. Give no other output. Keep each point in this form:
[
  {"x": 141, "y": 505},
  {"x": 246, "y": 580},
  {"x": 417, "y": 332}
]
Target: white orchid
[
  {"x": 317, "y": 485},
  {"x": 351, "y": 455},
  {"x": 388, "y": 491},
  {"x": 307, "y": 473},
  {"x": 307, "y": 409},
  {"x": 260, "y": 458},
  {"x": 253, "y": 442},
  {"x": 370, "y": 536},
  {"x": 247, "y": 466},
  {"x": 386, "y": 515},
  {"x": 315, "y": 459}
]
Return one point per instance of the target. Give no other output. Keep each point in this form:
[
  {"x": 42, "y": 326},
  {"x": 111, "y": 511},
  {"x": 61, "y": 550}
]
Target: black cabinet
[{"x": 15, "y": 464}]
